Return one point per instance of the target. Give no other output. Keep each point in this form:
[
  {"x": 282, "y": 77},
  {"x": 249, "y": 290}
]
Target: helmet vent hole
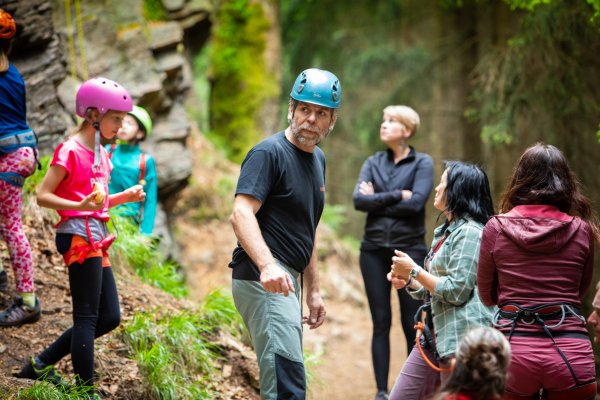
[{"x": 300, "y": 88}]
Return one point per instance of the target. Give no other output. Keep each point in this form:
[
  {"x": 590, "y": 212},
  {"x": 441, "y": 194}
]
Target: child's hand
[
  {"x": 89, "y": 203},
  {"x": 135, "y": 193}
]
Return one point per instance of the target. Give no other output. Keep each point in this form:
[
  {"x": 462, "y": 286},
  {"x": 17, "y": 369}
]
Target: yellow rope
[
  {"x": 80, "y": 38},
  {"x": 71, "y": 42}
]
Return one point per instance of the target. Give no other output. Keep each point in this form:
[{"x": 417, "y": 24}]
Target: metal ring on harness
[{"x": 514, "y": 312}]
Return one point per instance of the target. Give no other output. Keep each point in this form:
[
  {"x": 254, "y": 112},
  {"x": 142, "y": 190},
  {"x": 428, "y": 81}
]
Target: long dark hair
[
  {"x": 482, "y": 359},
  {"x": 543, "y": 176},
  {"x": 468, "y": 192}
]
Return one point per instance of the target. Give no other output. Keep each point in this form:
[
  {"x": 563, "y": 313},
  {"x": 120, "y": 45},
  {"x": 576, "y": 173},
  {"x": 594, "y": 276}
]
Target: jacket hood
[{"x": 539, "y": 229}]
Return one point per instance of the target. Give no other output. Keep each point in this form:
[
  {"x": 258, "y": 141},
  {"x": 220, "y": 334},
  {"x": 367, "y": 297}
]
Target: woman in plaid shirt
[{"x": 448, "y": 279}]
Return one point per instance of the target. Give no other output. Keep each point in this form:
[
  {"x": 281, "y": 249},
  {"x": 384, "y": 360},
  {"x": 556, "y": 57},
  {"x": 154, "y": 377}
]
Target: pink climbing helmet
[{"x": 103, "y": 94}]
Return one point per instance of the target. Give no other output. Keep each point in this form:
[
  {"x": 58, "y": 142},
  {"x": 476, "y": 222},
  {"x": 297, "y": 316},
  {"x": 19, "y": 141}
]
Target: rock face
[{"x": 56, "y": 49}]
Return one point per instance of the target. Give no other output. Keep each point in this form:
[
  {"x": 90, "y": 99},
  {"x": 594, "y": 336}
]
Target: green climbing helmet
[
  {"x": 317, "y": 86},
  {"x": 143, "y": 118}
]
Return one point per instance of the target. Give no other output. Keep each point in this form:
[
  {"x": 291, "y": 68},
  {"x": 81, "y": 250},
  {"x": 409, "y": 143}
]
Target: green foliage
[
  {"x": 547, "y": 73},
  {"x": 200, "y": 110},
  {"x": 140, "y": 253},
  {"x": 46, "y": 391},
  {"x": 173, "y": 354},
  {"x": 596, "y": 6},
  {"x": 334, "y": 216},
  {"x": 240, "y": 82},
  {"x": 153, "y": 10},
  {"x": 526, "y": 4},
  {"x": 32, "y": 182},
  {"x": 219, "y": 312},
  {"x": 311, "y": 362}
]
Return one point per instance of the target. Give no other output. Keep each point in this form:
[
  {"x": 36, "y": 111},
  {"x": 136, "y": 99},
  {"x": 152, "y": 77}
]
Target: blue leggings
[{"x": 95, "y": 313}]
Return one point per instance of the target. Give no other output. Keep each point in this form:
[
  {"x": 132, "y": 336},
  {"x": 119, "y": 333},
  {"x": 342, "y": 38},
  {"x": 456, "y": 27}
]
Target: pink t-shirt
[{"x": 81, "y": 175}]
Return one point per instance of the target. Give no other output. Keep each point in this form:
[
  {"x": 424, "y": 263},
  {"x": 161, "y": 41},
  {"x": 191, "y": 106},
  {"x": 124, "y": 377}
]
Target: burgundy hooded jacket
[{"x": 534, "y": 255}]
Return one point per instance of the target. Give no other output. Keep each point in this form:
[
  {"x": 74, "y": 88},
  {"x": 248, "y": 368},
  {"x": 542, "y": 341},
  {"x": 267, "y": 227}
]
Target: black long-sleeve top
[{"x": 391, "y": 221}]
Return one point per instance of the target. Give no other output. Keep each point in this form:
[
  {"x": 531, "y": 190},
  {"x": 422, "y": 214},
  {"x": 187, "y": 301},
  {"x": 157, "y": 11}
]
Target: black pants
[
  {"x": 375, "y": 265},
  {"x": 95, "y": 313}
]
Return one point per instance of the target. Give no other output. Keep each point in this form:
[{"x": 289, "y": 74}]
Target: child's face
[
  {"x": 130, "y": 129},
  {"x": 111, "y": 122}
]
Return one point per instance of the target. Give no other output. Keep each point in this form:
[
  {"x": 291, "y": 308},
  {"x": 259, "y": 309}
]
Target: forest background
[{"x": 488, "y": 78}]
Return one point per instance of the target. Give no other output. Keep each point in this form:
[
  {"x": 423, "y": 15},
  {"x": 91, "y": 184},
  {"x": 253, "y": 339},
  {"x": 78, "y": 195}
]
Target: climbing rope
[
  {"x": 80, "y": 39},
  {"x": 419, "y": 327}
]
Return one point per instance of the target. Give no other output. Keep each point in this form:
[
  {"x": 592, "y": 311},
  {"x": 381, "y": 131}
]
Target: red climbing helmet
[
  {"x": 103, "y": 94},
  {"x": 8, "y": 27}
]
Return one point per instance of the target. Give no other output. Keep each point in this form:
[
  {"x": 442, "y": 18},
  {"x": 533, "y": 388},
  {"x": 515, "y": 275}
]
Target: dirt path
[{"x": 342, "y": 343}]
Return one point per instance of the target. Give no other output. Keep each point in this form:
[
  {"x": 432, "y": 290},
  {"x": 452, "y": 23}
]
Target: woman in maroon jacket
[{"x": 535, "y": 263}]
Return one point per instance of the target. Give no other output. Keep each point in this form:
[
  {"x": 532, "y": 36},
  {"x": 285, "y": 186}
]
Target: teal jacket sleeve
[{"x": 151, "y": 189}]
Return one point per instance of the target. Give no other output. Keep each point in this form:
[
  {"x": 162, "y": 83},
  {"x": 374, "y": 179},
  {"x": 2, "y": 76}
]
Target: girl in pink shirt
[{"x": 76, "y": 185}]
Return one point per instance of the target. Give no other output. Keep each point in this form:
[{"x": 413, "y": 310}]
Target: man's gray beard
[{"x": 304, "y": 140}]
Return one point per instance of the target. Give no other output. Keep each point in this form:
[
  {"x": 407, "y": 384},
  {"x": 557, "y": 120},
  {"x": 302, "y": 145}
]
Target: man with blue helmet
[{"x": 280, "y": 196}]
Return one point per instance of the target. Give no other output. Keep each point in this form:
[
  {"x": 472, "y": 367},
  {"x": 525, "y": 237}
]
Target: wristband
[{"x": 408, "y": 282}]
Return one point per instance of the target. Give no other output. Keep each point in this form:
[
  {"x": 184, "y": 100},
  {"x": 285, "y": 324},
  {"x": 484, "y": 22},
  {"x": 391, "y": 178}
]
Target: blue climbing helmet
[{"x": 317, "y": 86}]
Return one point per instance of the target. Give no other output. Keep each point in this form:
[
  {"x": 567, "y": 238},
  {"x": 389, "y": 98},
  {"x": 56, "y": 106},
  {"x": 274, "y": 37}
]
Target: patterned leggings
[{"x": 21, "y": 161}]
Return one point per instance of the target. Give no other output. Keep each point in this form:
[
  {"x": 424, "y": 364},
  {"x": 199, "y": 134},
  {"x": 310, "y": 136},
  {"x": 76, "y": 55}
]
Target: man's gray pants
[{"x": 275, "y": 325}]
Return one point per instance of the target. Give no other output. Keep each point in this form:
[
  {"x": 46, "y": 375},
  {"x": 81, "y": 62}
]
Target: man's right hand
[{"x": 275, "y": 280}]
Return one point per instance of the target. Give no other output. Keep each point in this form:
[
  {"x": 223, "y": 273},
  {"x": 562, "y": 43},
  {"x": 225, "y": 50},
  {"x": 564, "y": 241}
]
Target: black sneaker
[
  {"x": 19, "y": 313},
  {"x": 36, "y": 370},
  {"x": 3, "y": 281}
]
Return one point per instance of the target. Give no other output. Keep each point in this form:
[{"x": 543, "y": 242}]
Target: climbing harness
[
  {"x": 13, "y": 178},
  {"x": 141, "y": 180},
  {"x": 514, "y": 313},
  {"x": 424, "y": 335},
  {"x": 82, "y": 249},
  {"x": 11, "y": 143},
  {"x": 423, "y": 332}
]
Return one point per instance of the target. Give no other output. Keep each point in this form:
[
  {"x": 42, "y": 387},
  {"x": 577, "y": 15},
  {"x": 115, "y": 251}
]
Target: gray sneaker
[
  {"x": 381, "y": 395},
  {"x": 18, "y": 313}
]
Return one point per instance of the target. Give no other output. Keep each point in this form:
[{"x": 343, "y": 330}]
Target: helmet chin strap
[{"x": 97, "y": 144}]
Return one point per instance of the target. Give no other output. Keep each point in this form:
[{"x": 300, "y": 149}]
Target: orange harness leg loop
[
  {"x": 81, "y": 250},
  {"x": 419, "y": 328}
]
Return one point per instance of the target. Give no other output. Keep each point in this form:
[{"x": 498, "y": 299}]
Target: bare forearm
[
  {"x": 250, "y": 237},
  {"x": 50, "y": 200},
  {"x": 311, "y": 275}
]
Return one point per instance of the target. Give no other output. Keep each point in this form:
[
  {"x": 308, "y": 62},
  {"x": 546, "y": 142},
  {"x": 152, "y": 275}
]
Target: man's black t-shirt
[{"x": 290, "y": 184}]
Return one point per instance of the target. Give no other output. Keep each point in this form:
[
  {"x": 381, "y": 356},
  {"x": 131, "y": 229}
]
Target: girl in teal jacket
[{"x": 132, "y": 166}]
